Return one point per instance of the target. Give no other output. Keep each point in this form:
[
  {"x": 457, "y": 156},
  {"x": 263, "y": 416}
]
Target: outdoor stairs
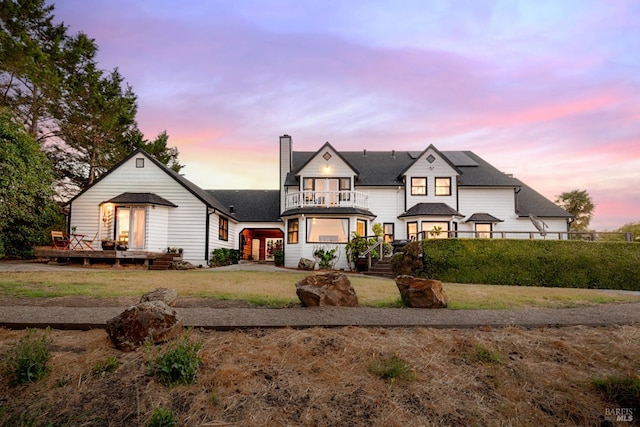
[
  {"x": 381, "y": 268},
  {"x": 162, "y": 262}
]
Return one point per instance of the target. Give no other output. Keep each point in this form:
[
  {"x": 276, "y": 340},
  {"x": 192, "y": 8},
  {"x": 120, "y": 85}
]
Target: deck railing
[
  {"x": 551, "y": 235},
  {"x": 328, "y": 199}
]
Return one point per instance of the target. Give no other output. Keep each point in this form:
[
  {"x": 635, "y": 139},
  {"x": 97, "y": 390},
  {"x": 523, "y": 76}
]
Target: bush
[
  {"x": 278, "y": 257},
  {"x": 179, "y": 364},
  {"x": 28, "y": 361},
  {"x": 624, "y": 391},
  {"x": 408, "y": 261},
  {"x": 162, "y": 417},
  {"x": 551, "y": 263},
  {"x": 223, "y": 256}
]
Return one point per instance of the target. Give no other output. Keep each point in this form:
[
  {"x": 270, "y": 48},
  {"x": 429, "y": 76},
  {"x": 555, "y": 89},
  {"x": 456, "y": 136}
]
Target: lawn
[{"x": 278, "y": 288}]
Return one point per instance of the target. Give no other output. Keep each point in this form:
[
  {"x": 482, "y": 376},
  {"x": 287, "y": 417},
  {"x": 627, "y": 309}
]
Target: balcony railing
[{"x": 327, "y": 199}]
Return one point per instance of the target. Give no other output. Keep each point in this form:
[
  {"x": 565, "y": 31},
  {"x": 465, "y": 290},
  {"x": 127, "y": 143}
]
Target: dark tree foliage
[
  {"x": 27, "y": 208},
  {"x": 579, "y": 204}
]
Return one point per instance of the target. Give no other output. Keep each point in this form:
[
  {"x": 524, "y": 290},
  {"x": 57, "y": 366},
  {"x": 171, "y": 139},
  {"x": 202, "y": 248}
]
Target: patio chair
[
  {"x": 88, "y": 243},
  {"x": 59, "y": 241}
]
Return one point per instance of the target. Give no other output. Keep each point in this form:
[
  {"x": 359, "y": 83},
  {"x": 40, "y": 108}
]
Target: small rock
[
  {"x": 182, "y": 265},
  {"x": 326, "y": 289},
  {"x": 166, "y": 295},
  {"x": 421, "y": 293},
  {"x": 152, "y": 320},
  {"x": 306, "y": 264}
]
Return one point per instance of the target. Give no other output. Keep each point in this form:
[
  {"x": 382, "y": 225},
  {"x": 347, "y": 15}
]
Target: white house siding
[
  {"x": 318, "y": 167},
  {"x": 186, "y": 226},
  {"x": 294, "y": 251},
  {"x": 500, "y": 202},
  {"x": 386, "y": 203},
  {"x": 438, "y": 169},
  {"x": 156, "y": 237}
]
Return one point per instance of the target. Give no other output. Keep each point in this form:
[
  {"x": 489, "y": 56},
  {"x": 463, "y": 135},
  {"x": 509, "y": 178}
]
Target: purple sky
[{"x": 548, "y": 90}]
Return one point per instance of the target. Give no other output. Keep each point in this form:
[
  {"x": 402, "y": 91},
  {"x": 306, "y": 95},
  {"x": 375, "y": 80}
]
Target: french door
[{"x": 130, "y": 226}]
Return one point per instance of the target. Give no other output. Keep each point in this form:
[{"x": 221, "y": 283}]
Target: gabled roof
[
  {"x": 198, "y": 192},
  {"x": 385, "y": 168},
  {"x": 430, "y": 147},
  {"x": 317, "y": 153},
  {"x": 431, "y": 209},
  {"x": 142, "y": 199},
  {"x": 250, "y": 205}
]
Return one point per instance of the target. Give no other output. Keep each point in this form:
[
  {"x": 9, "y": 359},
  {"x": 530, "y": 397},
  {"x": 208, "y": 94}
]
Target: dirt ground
[{"x": 323, "y": 377}]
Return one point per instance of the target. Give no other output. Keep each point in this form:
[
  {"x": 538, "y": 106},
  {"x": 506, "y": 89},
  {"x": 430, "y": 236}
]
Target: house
[{"x": 324, "y": 197}]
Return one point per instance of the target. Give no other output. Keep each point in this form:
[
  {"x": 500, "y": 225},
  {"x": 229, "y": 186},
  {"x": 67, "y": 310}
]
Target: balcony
[{"x": 327, "y": 199}]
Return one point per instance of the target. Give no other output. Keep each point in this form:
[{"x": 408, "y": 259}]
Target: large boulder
[
  {"x": 421, "y": 293},
  {"x": 166, "y": 295},
  {"x": 306, "y": 264},
  {"x": 151, "y": 320},
  {"x": 326, "y": 289}
]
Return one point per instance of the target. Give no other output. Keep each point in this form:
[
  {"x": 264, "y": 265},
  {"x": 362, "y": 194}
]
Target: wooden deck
[{"x": 150, "y": 259}]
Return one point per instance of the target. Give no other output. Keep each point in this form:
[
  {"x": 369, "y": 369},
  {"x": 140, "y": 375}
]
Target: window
[
  {"x": 435, "y": 230},
  {"x": 388, "y": 232},
  {"x": 418, "y": 186},
  {"x": 140, "y": 162},
  {"x": 412, "y": 231},
  {"x": 443, "y": 186},
  {"x": 362, "y": 228},
  {"x": 345, "y": 189},
  {"x": 483, "y": 231},
  {"x": 327, "y": 230},
  {"x": 223, "y": 229},
  {"x": 292, "y": 230}
]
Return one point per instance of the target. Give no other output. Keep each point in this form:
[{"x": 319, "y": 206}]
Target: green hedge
[{"x": 552, "y": 263}]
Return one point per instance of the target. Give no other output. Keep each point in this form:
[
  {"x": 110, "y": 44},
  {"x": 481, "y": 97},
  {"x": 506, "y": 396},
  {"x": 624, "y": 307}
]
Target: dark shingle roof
[
  {"x": 250, "y": 205},
  {"x": 435, "y": 209},
  {"x": 141, "y": 198},
  {"x": 530, "y": 202},
  {"x": 483, "y": 217},
  {"x": 328, "y": 211},
  {"x": 385, "y": 168}
]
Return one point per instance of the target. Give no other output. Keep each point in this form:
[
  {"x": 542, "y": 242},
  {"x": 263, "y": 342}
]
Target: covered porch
[{"x": 260, "y": 244}]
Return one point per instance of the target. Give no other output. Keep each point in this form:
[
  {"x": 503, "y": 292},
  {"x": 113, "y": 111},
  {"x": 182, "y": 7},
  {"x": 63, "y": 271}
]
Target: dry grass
[
  {"x": 322, "y": 377},
  {"x": 278, "y": 288}
]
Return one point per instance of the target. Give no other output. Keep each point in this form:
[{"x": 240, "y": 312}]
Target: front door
[{"x": 130, "y": 227}]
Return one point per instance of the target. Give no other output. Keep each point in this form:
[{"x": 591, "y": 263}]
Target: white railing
[{"x": 328, "y": 199}]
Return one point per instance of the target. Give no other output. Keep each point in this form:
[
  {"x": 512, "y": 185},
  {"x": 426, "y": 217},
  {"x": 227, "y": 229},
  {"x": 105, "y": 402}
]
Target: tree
[
  {"x": 30, "y": 48},
  {"x": 579, "y": 204},
  {"x": 631, "y": 227},
  {"x": 158, "y": 148},
  {"x": 27, "y": 208}
]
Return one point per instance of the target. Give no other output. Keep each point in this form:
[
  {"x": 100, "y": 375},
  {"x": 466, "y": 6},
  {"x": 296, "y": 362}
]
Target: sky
[{"x": 547, "y": 90}]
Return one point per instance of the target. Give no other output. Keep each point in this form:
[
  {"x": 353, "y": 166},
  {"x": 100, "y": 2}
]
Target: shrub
[
  {"x": 326, "y": 257},
  {"x": 553, "y": 263},
  {"x": 162, "y": 417},
  {"x": 106, "y": 366},
  {"x": 391, "y": 368},
  {"x": 278, "y": 257},
  {"x": 223, "y": 256},
  {"x": 28, "y": 361},
  {"x": 179, "y": 364},
  {"x": 621, "y": 390},
  {"x": 408, "y": 261},
  {"x": 481, "y": 354}
]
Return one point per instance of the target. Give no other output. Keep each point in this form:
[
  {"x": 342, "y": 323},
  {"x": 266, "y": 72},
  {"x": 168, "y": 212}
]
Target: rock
[
  {"x": 326, "y": 289},
  {"x": 166, "y": 295},
  {"x": 152, "y": 320},
  {"x": 306, "y": 264},
  {"x": 182, "y": 265},
  {"x": 421, "y": 293}
]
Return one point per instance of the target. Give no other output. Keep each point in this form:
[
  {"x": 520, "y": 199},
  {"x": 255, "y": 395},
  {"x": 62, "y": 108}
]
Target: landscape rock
[
  {"x": 306, "y": 264},
  {"x": 166, "y": 295},
  {"x": 326, "y": 289},
  {"x": 421, "y": 293},
  {"x": 182, "y": 265},
  {"x": 153, "y": 320}
]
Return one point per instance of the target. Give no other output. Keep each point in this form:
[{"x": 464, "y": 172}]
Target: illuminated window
[
  {"x": 223, "y": 229},
  {"x": 327, "y": 230},
  {"x": 292, "y": 230},
  {"x": 418, "y": 186},
  {"x": 483, "y": 231},
  {"x": 443, "y": 186}
]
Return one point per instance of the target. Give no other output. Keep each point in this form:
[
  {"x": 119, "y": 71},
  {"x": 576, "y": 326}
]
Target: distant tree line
[{"x": 63, "y": 121}]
